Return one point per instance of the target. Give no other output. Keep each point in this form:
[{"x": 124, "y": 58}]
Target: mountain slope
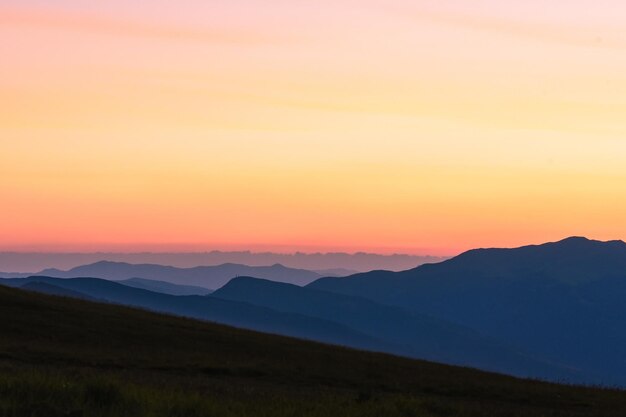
[
  {"x": 210, "y": 277},
  {"x": 220, "y": 311},
  {"x": 164, "y": 287},
  {"x": 82, "y": 358},
  {"x": 45, "y": 288},
  {"x": 561, "y": 300},
  {"x": 423, "y": 336}
]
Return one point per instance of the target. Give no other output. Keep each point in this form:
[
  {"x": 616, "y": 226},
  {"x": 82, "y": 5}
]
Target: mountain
[
  {"x": 150, "y": 285},
  {"x": 20, "y": 262},
  {"x": 335, "y": 272},
  {"x": 45, "y": 288},
  {"x": 65, "y": 357},
  {"x": 424, "y": 337},
  {"x": 212, "y": 309},
  {"x": 28, "y": 274},
  {"x": 325, "y": 317},
  {"x": 554, "y": 311},
  {"x": 563, "y": 301},
  {"x": 211, "y": 277},
  {"x": 164, "y": 287}
]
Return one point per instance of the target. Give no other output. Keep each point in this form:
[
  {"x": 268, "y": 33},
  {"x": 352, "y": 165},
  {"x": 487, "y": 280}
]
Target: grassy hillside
[{"x": 66, "y": 357}]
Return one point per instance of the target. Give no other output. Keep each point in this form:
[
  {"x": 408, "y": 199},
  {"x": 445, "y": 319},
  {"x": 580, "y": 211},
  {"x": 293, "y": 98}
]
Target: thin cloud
[
  {"x": 110, "y": 26},
  {"x": 586, "y": 37}
]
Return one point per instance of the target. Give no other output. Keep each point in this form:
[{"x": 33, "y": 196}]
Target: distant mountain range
[
  {"x": 346, "y": 263},
  {"x": 206, "y": 277},
  {"x": 555, "y": 311}
]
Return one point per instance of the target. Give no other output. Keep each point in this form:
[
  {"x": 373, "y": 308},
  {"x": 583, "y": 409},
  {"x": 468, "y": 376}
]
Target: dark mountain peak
[
  {"x": 575, "y": 242},
  {"x": 571, "y": 261},
  {"x": 104, "y": 263},
  {"x": 244, "y": 279},
  {"x": 50, "y": 271},
  {"x": 96, "y": 266},
  {"x": 250, "y": 283},
  {"x": 224, "y": 265},
  {"x": 574, "y": 239},
  {"x": 238, "y": 281},
  {"x": 571, "y": 246}
]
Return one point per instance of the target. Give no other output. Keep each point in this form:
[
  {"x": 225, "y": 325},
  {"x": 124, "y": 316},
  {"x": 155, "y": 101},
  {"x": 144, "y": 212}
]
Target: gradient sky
[{"x": 379, "y": 125}]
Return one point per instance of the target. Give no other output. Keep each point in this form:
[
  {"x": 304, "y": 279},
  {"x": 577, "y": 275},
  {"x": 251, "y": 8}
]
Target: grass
[{"x": 64, "y": 357}]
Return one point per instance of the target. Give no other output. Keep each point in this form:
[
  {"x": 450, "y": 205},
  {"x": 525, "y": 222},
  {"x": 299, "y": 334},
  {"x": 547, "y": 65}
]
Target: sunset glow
[{"x": 388, "y": 126}]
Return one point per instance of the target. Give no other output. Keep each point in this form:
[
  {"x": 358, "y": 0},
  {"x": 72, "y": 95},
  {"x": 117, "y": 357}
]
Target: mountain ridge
[
  {"x": 210, "y": 277},
  {"x": 84, "y": 358},
  {"x": 226, "y": 312},
  {"x": 425, "y": 337},
  {"x": 560, "y": 300}
]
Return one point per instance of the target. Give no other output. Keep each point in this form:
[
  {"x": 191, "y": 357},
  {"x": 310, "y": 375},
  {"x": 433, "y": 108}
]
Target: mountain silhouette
[
  {"x": 210, "y": 277},
  {"x": 423, "y": 337},
  {"x": 553, "y": 311},
  {"x": 164, "y": 287},
  {"x": 67, "y": 357},
  {"x": 208, "y": 308},
  {"x": 321, "y": 316},
  {"x": 563, "y": 301},
  {"x": 46, "y": 288}
]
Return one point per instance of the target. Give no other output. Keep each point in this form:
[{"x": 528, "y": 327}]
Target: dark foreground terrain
[{"x": 67, "y": 357}]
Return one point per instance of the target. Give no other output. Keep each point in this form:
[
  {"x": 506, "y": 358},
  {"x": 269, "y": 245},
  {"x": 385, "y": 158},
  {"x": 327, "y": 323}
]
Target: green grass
[{"x": 63, "y": 357}]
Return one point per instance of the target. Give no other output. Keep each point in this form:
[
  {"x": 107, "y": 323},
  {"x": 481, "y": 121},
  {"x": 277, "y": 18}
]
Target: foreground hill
[
  {"x": 66, "y": 357},
  {"x": 563, "y": 301}
]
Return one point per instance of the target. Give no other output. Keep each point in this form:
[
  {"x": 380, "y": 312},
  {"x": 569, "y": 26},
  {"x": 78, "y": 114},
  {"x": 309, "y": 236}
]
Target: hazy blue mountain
[
  {"x": 45, "y": 288},
  {"x": 562, "y": 301},
  {"x": 151, "y": 285},
  {"x": 212, "y": 309},
  {"x": 22, "y": 262},
  {"x": 424, "y": 337},
  {"x": 335, "y": 272},
  {"x": 165, "y": 287},
  {"x": 28, "y": 274},
  {"x": 210, "y": 277}
]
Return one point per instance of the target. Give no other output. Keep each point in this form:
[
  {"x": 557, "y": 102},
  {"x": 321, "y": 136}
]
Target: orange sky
[{"x": 390, "y": 126}]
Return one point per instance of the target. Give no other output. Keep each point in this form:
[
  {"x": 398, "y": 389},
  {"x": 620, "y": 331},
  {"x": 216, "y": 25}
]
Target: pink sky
[{"x": 386, "y": 126}]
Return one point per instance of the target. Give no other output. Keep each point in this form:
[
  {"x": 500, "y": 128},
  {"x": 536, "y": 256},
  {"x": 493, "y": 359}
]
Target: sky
[{"x": 385, "y": 126}]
